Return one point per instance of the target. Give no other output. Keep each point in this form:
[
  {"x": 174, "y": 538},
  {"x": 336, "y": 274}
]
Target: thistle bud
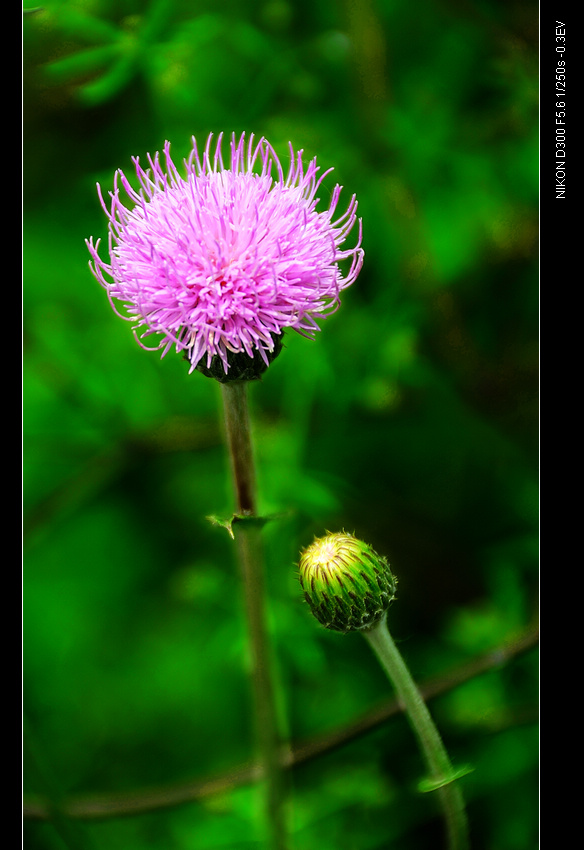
[{"x": 347, "y": 585}]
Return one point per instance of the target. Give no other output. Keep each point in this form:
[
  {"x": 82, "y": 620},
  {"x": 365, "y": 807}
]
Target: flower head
[
  {"x": 220, "y": 261},
  {"x": 347, "y": 585}
]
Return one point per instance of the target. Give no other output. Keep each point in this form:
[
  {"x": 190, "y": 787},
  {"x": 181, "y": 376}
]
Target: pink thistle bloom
[{"x": 226, "y": 258}]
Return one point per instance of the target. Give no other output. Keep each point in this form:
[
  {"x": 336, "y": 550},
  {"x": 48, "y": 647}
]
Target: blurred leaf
[
  {"x": 78, "y": 23},
  {"x": 84, "y": 62}
]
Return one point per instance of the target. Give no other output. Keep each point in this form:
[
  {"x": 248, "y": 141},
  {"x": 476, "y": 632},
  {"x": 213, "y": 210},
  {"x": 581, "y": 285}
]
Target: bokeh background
[{"x": 411, "y": 419}]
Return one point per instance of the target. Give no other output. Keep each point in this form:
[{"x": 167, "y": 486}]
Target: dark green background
[{"x": 411, "y": 420}]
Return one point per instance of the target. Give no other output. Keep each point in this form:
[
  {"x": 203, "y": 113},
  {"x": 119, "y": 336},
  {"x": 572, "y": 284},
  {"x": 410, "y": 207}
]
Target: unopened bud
[{"x": 347, "y": 585}]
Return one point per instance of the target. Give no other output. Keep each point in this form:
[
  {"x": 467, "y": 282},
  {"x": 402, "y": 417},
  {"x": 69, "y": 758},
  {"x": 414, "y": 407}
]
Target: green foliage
[{"x": 410, "y": 421}]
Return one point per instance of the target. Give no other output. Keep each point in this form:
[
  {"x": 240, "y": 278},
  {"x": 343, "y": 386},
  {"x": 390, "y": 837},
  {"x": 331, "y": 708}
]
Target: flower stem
[
  {"x": 238, "y": 430},
  {"x": 250, "y": 555},
  {"x": 438, "y": 762}
]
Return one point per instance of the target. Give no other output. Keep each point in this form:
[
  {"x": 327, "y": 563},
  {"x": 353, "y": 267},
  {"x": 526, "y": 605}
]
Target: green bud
[{"x": 346, "y": 583}]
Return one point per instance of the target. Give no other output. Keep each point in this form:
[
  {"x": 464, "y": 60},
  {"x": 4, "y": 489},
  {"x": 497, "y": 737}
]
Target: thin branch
[
  {"x": 100, "y": 806},
  {"x": 431, "y": 688}
]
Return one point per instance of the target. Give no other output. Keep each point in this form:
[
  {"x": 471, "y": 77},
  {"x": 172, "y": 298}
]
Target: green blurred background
[{"x": 411, "y": 420}]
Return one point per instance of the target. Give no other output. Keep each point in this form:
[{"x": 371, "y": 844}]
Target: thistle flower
[
  {"x": 347, "y": 585},
  {"x": 221, "y": 261}
]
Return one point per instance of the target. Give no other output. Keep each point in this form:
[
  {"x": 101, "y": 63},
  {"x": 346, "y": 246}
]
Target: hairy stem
[
  {"x": 250, "y": 555},
  {"x": 436, "y": 757}
]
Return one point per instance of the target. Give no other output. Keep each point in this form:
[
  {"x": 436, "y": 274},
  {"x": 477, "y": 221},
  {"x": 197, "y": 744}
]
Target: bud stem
[
  {"x": 250, "y": 555},
  {"x": 435, "y": 754}
]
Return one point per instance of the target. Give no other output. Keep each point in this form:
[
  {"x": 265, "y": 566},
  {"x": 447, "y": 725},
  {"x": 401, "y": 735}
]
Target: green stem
[
  {"x": 250, "y": 555},
  {"x": 238, "y": 429},
  {"x": 438, "y": 762}
]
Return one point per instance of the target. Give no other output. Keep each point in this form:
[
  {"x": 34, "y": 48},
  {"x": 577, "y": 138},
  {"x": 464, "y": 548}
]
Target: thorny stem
[
  {"x": 435, "y": 754},
  {"x": 250, "y": 554}
]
